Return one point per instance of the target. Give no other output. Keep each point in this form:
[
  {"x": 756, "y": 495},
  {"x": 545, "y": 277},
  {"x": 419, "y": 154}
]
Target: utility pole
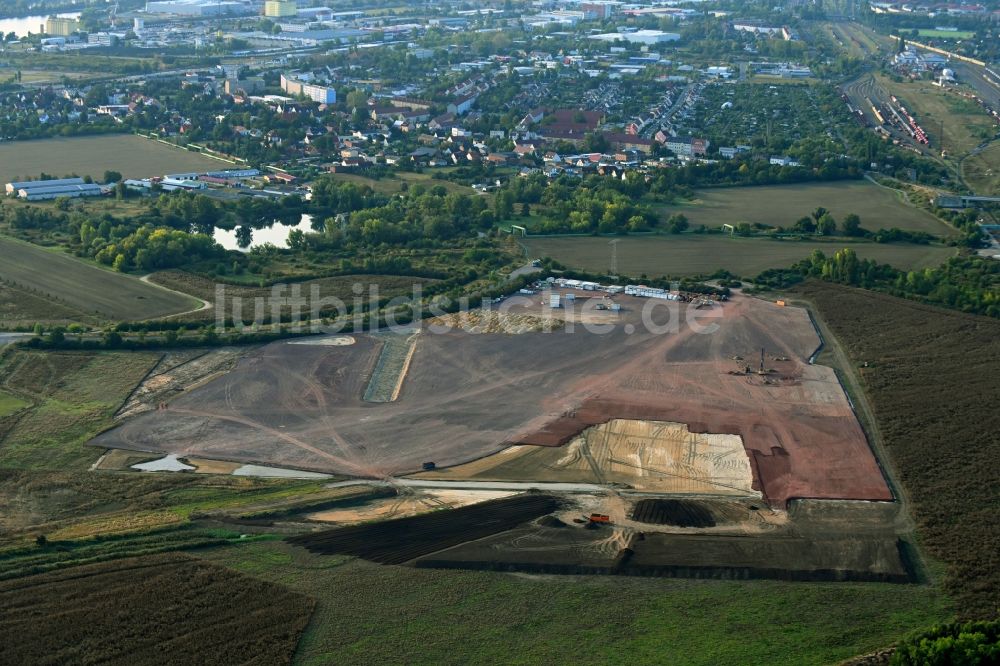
[{"x": 614, "y": 257}]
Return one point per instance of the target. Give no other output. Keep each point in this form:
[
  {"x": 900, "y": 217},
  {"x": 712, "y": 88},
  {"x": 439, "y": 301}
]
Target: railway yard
[
  {"x": 954, "y": 119},
  {"x": 873, "y": 106}
]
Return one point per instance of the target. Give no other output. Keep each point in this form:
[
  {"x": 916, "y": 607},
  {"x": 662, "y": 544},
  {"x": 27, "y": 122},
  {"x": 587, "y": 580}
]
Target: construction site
[{"x": 662, "y": 446}]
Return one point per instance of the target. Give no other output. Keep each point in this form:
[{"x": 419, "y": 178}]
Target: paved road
[
  {"x": 527, "y": 269},
  {"x": 6, "y": 338},
  {"x": 475, "y": 485},
  {"x": 585, "y": 488}
]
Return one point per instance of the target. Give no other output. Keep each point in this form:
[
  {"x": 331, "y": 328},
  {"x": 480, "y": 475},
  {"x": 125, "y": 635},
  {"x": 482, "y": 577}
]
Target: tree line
[{"x": 969, "y": 283}]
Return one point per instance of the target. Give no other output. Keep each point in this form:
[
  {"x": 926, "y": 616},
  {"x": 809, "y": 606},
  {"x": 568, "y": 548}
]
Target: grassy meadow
[
  {"x": 878, "y": 207},
  {"x": 368, "y": 613},
  {"x": 697, "y": 254},
  {"x": 132, "y": 156}
]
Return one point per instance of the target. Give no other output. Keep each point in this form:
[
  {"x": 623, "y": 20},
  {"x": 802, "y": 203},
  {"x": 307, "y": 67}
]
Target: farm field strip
[
  {"x": 693, "y": 254},
  {"x": 416, "y": 614},
  {"x": 89, "y": 614},
  {"x": 944, "y": 449},
  {"x": 132, "y": 156},
  {"x": 878, "y": 207},
  {"x": 85, "y": 287}
]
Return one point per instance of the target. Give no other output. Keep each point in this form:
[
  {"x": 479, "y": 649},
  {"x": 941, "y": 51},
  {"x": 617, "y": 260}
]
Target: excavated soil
[
  {"x": 681, "y": 513},
  {"x": 466, "y": 396},
  {"x": 649, "y": 456}
]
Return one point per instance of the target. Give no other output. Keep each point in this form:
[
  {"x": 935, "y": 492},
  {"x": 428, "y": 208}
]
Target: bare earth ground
[
  {"x": 648, "y": 456},
  {"x": 466, "y": 396}
]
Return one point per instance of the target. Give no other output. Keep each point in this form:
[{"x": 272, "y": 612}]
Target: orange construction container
[
  {"x": 599, "y": 518},
  {"x": 781, "y": 303}
]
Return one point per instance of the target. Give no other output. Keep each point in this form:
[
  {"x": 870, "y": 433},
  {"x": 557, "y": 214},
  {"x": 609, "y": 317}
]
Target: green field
[
  {"x": 21, "y": 308},
  {"x": 696, "y": 254},
  {"x": 132, "y": 156},
  {"x": 58, "y": 277},
  {"x": 782, "y": 205},
  {"x": 73, "y": 396},
  {"x": 367, "y": 613},
  {"x": 981, "y": 170},
  {"x": 226, "y": 618},
  {"x": 946, "y": 34},
  {"x": 393, "y": 184},
  {"x": 10, "y": 403}
]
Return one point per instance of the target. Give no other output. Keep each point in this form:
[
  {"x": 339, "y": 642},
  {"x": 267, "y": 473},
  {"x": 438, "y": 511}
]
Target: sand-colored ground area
[
  {"x": 408, "y": 504},
  {"x": 120, "y": 459},
  {"x": 531, "y": 313},
  {"x": 490, "y": 321},
  {"x": 466, "y": 396},
  {"x": 330, "y": 341},
  {"x": 650, "y": 456}
]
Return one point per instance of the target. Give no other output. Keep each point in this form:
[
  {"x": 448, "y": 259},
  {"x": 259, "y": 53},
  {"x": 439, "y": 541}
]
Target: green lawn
[
  {"x": 10, "y": 403},
  {"x": 368, "y": 613},
  {"x": 782, "y": 205},
  {"x": 946, "y": 34},
  {"x": 75, "y": 394},
  {"x": 393, "y": 184},
  {"x": 697, "y": 254}
]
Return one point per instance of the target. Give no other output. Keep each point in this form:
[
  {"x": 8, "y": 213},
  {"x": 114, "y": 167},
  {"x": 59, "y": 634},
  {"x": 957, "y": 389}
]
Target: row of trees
[{"x": 967, "y": 283}]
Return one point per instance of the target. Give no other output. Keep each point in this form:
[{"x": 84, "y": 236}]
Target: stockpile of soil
[
  {"x": 486, "y": 321},
  {"x": 401, "y": 540},
  {"x": 551, "y": 521},
  {"x": 679, "y": 513}
]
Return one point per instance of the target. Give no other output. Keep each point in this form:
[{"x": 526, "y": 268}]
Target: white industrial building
[
  {"x": 650, "y": 292},
  {"x": 169, "y": 184},
  {"x": 233, "y": 173},
  {"x": 199, "y": 7},
  {"x": 40, "y": 190},
  {"x": 639, "y": 36},
  {"x": 14, "y": 187}
]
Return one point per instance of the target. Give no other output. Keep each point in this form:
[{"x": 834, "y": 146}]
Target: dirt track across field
[{"x": 466, "y": 396}]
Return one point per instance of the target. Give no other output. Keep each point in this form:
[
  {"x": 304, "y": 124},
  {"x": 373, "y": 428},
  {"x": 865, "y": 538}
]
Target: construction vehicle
[
  {"x": 762, "y": 370},
  {"x": 702, "y": 302}
]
